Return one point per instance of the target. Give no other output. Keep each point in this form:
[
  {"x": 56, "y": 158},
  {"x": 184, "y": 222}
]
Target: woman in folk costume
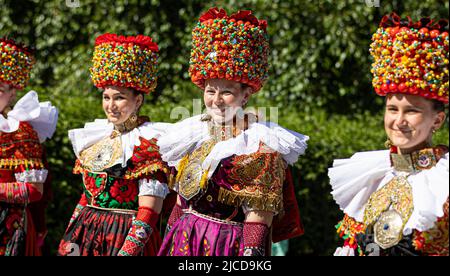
[
  {"x": 232, "y": 176},
  {"x": 124, "y": 179},
  {"x": 24, "y": 187},
  {"x": 396, "y": 201}
]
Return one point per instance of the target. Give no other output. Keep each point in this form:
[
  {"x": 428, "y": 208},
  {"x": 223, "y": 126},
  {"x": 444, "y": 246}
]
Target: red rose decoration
[
  {"x": 143, "y": 41},
  {"x": 124, "y": 191},
  {"x": 213, "y": 13}
]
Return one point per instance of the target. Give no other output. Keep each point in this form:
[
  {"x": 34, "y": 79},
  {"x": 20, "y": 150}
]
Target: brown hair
[
  {"x": 438, "y": 106},
  {"x": 137, "y": 93}
]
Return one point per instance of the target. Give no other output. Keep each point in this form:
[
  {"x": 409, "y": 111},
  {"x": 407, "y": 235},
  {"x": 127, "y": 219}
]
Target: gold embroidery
[
  {"x": 257, "y": 181},
  {"x": 220, "y": 133},
  {"x": 190, "y": 175},
  {"x": 102, "y": 155},
  {"x": 131, "y": 123},
  {"x": 13, "y": 163},
  {"x": 420, "y": 160},
  {"x": 388, "y": 224},
  {"x": 270, "y": 202},
  {"x": 402, "y": 163}
]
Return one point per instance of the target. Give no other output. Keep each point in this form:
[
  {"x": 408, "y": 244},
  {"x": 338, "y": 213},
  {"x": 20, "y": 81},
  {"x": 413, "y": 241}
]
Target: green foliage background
[{"x": 319, "y": 80}]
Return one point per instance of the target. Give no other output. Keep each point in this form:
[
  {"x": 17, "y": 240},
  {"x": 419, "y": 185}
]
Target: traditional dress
[
  {"x": 22, "y": 158},
  {"x": 118, "y": 164},
  {"x": 116, "y": 168},
  {"x": 219, "y": 180},
  {"x": 223, "y": 172},
  {"x": 397, "y": 204}
]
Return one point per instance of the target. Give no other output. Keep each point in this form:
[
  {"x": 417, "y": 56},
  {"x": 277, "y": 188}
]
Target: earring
[
  {"x": 388, "y": 143},
  {"x": 133, "y": 117},
  {"x": 130, "y": 123}
]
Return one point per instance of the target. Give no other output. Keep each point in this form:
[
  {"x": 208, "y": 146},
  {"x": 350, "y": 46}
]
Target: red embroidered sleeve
[
  {"x": 147, "y": 162},
  {"x": 21, "y": 156},
  {"x": 21, "y": 150},
  {"x": 434, "y": 241}
]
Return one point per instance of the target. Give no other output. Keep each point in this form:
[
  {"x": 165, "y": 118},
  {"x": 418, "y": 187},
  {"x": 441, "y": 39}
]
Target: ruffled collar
[
  {"x": 189, "y": 134},
  {"x": 42, "y": 116},
  {"x": 354, "y": 180},
  {"x": 93, "y": 132}
]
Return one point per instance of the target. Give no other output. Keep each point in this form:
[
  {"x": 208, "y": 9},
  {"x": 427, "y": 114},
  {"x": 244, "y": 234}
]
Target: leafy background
[{"x": 319, "y": 80}]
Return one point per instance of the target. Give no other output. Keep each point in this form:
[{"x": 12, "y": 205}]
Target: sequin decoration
[
  {"x": 234, "y": 47},
  {"x": 125, "y": 61},
  {"x": 411, "y": 58},
  {"x": 16, "y": 62}
]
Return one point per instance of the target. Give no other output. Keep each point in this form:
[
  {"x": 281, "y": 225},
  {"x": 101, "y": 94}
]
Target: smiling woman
[
  {"x": 396, "y": 201},
  {"x": 230, "y": 170},
  {"x": 124, "y": 178},
  {"x": 411, "y": 120},
  {"x": 121, "y": 104},
  {"x": 223, "y": 98}
]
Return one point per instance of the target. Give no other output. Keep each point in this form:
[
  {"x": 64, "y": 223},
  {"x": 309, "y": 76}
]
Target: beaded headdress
[
  {"x": 16, "y": 62},
  {"x": 125, "y": 61},
  {"x": 411, "y": 57},
  {"x": 234, "y": 47}
]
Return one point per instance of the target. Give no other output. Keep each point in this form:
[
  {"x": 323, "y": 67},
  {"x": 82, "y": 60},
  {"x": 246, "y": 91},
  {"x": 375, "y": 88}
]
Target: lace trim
[
  {"x": 34, "y": 176},
  {"x": 153, "y": 187}
]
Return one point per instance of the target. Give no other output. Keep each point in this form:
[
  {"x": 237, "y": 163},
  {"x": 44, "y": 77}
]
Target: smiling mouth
[{"x": 403, "y": 131}]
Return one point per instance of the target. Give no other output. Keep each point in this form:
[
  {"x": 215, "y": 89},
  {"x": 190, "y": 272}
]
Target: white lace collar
[
  {"x": 353, "y": 180},
  {"x": 93, "y": 132},
  {"x": 42, "y": 116},
  {"x": 192, "y": 132}
]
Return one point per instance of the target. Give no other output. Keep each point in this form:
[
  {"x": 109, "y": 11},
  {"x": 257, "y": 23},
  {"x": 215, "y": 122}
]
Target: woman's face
[
  {"x": 7, "y": 95},
  {"x": 409, "y": 121},
  {"x": 119, "y": 103},
  {"x": 223, "y": 98}
]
